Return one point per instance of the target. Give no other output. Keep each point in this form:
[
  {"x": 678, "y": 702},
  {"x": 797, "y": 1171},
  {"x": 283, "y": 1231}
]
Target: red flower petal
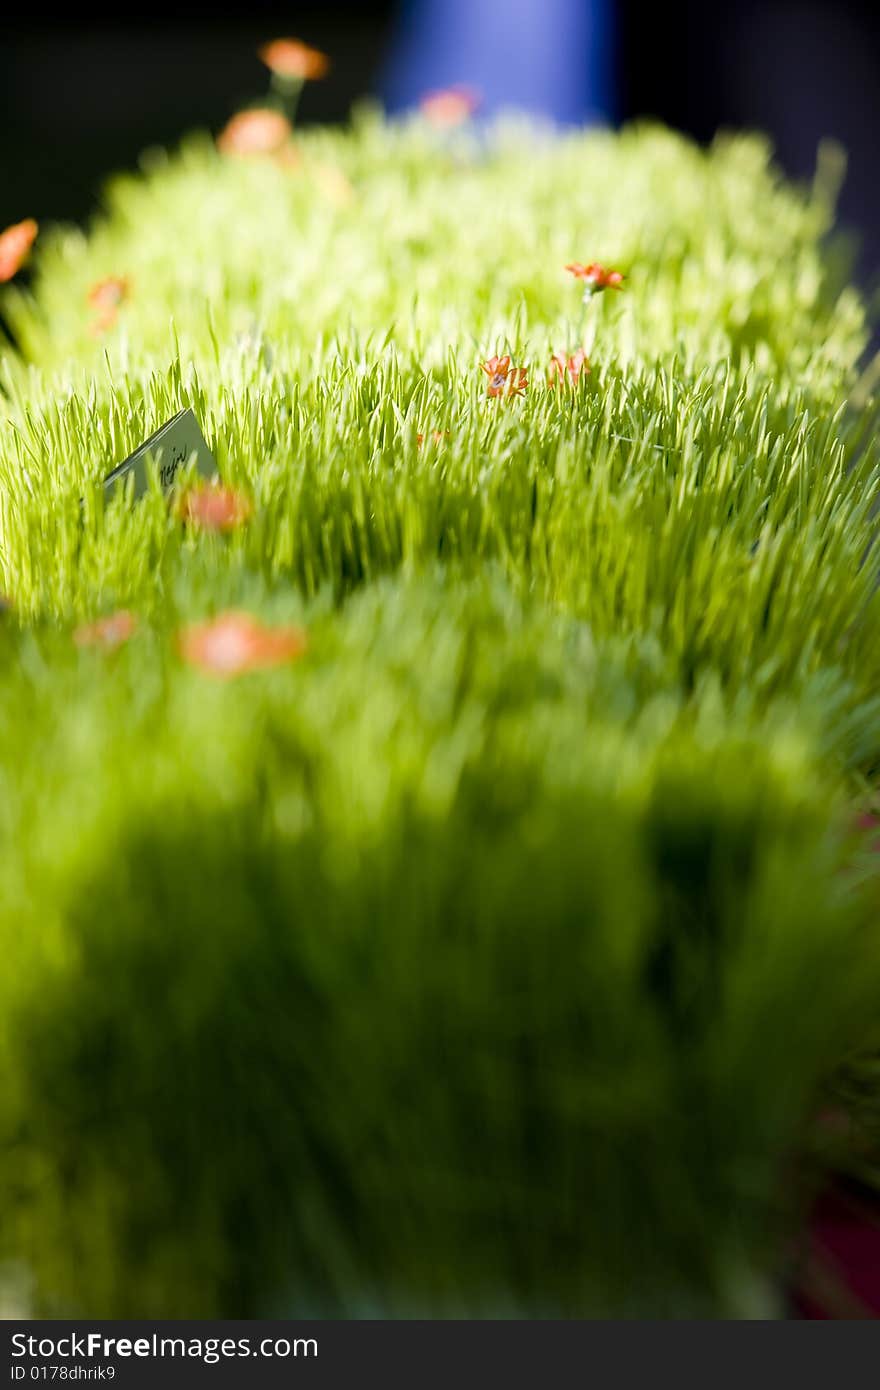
[
  {"x": 504, "y": 380},
  {"x": 557, "y": 370},
  {"x": 235, "y": 643},
  {"x": 214, "y": 507},
  {"x": 259, "y": 131},
  {"x": 15, "y": 244},
  {"x": 111, "y": 631},
  {"x": 449, "y": 107},
  {"x": 108, "y": 294},
  {"x": 571, "y": 367},
  {"x": 291, "y": 58},
  {"x": 595, "y": 276}
]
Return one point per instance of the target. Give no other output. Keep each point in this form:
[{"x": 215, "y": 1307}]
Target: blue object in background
[{"x": 553, "y": 58}]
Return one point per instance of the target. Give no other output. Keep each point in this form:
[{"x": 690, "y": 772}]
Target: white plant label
[{"x": 171, "y": 446}]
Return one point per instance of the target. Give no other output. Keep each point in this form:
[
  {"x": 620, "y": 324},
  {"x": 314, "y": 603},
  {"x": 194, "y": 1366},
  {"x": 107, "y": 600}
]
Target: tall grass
[{"x": 504, "y": 953}]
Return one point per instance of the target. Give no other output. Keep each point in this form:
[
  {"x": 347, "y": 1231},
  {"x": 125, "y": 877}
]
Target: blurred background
[{"x": 83, "y": 93}]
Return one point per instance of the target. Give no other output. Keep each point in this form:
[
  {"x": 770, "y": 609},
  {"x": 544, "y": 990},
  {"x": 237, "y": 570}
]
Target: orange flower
[
  {"x": 595, "y": 277},
  {"x": 258, "y": 131},
  {"x": 291, "y": 58},
  {"x": 437, "y": 436},
  {"x": 450, "y": 107},
  {"x": 576, "y": 365},
  {"x": 105, "y": 297},
  {"x": 505, "y": 380},
  {"x": 111, "y": 631},
  {"x": 213, "y": 507},
  {"x": 109, "y": 293},
  {"x": 15, "y": 243},
  {"x": 235, "y": 643}
]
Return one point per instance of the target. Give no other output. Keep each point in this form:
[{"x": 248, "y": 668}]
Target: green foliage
[{"x": 501, "y": 953}]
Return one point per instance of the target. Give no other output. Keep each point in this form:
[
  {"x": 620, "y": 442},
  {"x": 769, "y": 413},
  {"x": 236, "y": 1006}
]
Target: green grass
[{"x": 504, "y": 953}]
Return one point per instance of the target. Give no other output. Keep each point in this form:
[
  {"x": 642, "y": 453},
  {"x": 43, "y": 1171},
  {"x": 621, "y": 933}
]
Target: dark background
[{"x": 82, "y": 94}]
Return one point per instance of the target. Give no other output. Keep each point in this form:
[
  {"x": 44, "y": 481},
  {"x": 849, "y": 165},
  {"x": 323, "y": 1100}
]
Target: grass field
[{"x": 512, "y": 947}]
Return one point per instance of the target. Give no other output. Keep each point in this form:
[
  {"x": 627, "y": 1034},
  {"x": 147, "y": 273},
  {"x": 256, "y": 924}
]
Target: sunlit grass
[{"x": 500, "y": 953}]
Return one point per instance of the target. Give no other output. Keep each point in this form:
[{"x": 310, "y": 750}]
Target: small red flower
[
  {"x": 291, "y": 58},
  {"x": 505, "y": 380},
  {"x": 258, "y": 131},
  {"x": 576, "y": 365},
  {"x": 213, "y": 507},
  {"x": 111, "y": 631},
  {"x": 105, "y": 298},
  {"x": 437, "y": 437},
  {"x": 15, "y": 245},
  {"x": 235, "y": 643},
  {"x": 109, "y": 293},
  {"x": 450, "y": 107},
  {"x": 595, "y": 277}
]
